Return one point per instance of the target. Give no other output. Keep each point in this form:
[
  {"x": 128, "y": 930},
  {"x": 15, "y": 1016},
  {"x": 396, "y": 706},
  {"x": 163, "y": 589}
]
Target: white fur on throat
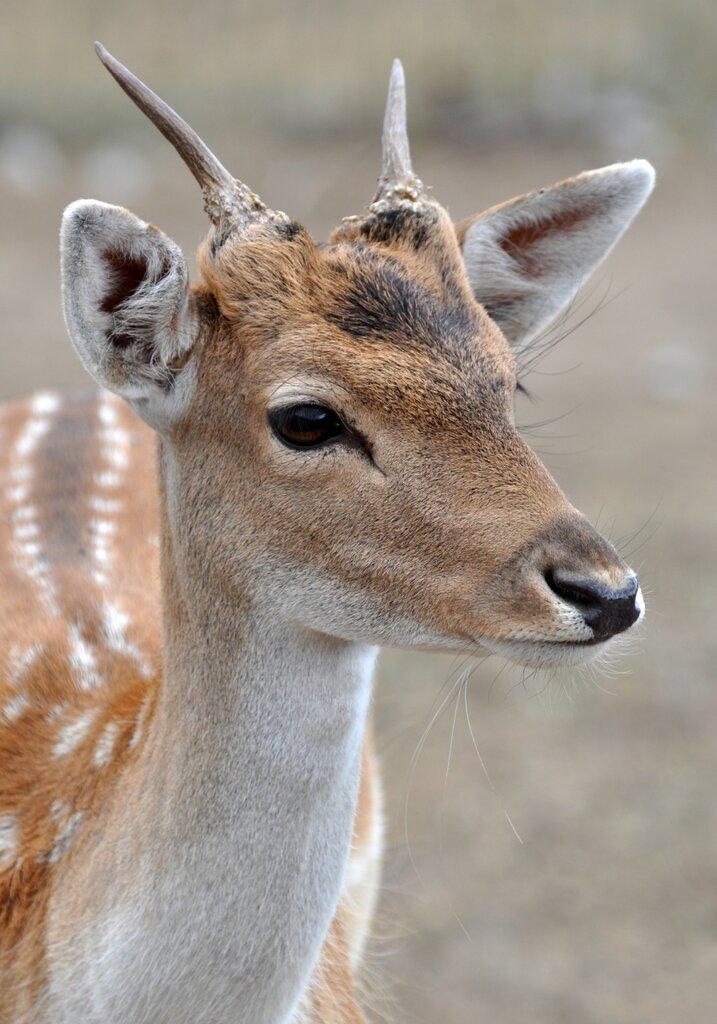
[{"x": 241, "y": 877}]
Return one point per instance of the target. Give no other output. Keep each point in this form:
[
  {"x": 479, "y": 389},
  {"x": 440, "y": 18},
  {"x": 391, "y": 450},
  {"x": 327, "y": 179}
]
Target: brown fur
[
  {"x": 33, "y": 779},
  {"x": 384, "y": 317}
]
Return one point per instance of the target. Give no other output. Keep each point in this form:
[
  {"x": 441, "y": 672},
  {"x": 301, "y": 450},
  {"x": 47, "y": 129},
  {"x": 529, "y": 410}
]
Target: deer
[{"x": 308, "y": 454}]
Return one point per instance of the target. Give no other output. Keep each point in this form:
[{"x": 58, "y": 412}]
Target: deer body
[{"x": 189, "y": 814}]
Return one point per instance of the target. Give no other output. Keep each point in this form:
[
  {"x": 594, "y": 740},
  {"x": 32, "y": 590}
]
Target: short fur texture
[{"x": 189, "y": 811}]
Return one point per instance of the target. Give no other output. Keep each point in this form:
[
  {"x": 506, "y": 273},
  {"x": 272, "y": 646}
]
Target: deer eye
[{"x": 305, "y": 426}]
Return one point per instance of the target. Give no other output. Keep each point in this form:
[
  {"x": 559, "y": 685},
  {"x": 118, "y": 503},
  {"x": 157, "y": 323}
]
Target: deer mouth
[{"x": 550, "y": 653}]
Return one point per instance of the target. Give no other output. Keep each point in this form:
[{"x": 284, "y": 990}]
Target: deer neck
[
  {"x": 250, "y": 779},
  {"x": 262, "y": 727}
]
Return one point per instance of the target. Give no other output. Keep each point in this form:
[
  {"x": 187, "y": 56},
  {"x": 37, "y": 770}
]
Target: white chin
[{"x": 546, "y": 653}]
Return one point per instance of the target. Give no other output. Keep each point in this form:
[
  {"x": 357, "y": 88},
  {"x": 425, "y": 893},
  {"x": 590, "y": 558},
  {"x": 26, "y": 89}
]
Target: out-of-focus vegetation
[{"x": 478, "y": 68}]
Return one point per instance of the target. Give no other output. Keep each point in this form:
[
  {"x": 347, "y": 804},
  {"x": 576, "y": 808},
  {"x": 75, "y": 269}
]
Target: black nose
[{"x": 606, "y": 611}]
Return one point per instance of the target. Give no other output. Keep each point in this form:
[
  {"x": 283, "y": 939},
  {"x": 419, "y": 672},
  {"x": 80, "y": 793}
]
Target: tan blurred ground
[{"x": 605, "y": 910}]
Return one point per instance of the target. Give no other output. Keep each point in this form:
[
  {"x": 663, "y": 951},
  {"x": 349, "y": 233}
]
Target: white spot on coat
[
  {"x": 25, "y": 528},
  {"x": 108, "y": 479},
  {"x": 56, "y": 712},
  {"x": 70, "y": 735},
  {"x": 105, "y": 744},
  {"x": 103, "y": 527},
  {"x": 114, "y": 453},
  {"x": 115, "y": 623},
  {"x": 83, "y": 661},
  {"x": 45, "y": 402},
  {"x": 63, "y": 840},
  {"x": 139, "y": 727},
  {"x": 21, "y": 661},
  {"x": 21, "y": 473},
  {"x": 105, "y": 506},
  {"x": 22, "y": 514},
  {"x": 15, "y": 707},
  {"x": 59, "y": 810},
  {"x": 106, "y": 410},
  {"x": 8, "y": 837}
]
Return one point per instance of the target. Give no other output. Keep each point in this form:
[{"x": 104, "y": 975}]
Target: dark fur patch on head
[
  {"x": 401, "y": 225},
  {"x": 378, "y": 299},
  {"x": 289, "y": 231},
  {"x": 392, "y": 298}
]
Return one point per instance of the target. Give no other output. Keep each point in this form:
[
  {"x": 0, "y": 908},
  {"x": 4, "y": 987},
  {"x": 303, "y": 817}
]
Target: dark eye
[{"x": 305, "y": 426}]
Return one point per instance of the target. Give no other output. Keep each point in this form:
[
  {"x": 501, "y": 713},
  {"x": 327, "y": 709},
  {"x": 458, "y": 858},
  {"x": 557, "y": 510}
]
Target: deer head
[{"x": 336, "y": 421}]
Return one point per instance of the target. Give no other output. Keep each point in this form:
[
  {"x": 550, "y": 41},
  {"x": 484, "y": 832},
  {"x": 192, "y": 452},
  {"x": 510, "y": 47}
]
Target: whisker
[{"x": 412, "y": 771}]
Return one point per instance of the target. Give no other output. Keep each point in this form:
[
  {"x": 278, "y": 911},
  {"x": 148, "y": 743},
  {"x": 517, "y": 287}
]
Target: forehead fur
[{"x": 386, "y": 288}]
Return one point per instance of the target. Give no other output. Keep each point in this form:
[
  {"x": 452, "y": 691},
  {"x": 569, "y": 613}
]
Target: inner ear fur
[
  {"x": 527, "y": 258},
  {"x": 126, "y": 299}
]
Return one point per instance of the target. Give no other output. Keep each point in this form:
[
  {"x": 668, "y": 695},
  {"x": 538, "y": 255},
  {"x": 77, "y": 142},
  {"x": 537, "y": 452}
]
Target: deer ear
[
  {"x": 127, "y": 305},
  {"x": 527, "y": 258}
]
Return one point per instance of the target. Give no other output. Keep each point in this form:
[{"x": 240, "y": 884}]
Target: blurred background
[{"x": 552, "y": 846}]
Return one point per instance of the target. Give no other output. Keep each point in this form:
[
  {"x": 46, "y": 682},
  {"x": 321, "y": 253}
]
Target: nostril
[
  {"x": 605, "y": 610},
  {"x": 583, "y": 594}
]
